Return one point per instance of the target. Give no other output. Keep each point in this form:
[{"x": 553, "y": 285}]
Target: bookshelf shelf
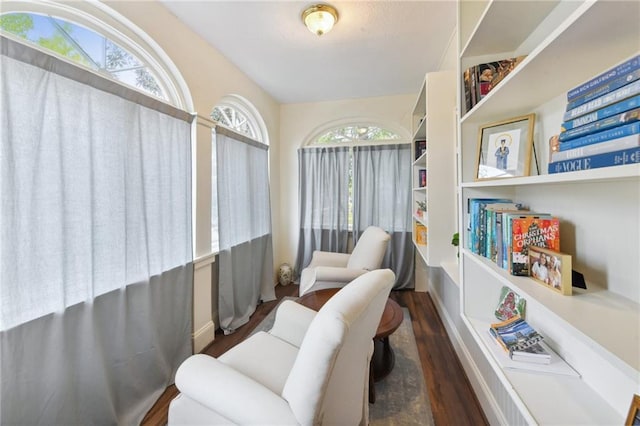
[
  {"x": 432, "y": 119},
  {"x": 596, "y": 331}
]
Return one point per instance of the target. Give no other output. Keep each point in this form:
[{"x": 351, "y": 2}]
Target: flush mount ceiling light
[{"x": 320, "y": 18}]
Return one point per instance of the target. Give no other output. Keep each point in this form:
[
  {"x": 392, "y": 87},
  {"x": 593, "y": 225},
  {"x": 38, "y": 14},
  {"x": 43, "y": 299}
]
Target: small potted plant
[
  {"x": 455, "y": 241},
  {"x": 422, "y": 207}
]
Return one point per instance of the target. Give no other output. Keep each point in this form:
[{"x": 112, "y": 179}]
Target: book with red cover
[{"x": 531, "y": 230}]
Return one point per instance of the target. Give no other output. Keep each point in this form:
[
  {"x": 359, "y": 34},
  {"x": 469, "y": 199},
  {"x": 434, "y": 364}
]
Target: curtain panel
[
  {"x": 382, "y": 197},
  {"x": 245, "y": 265},
  {"x": 323, "y": 195},
  {"x": 95, "y": 254}
]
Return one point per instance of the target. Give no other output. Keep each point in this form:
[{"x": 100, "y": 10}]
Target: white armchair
[
  {"x": 331, "y": 270},
  {"x": 309, "y": 369}
]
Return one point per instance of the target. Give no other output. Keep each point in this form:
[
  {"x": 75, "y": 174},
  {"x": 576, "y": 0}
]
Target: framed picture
[
  {"x": 550, "y": 268},
  {"x": 633, "y": 418},
  {"x": 504, "y": 148}
]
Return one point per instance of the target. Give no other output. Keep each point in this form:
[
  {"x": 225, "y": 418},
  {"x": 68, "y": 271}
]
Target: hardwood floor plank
[{"x": 452, "y": 398}]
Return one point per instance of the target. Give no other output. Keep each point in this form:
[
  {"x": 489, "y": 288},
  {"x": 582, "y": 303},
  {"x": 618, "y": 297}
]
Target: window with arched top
[
  {"x": 238, "y": 114},
  {"x": 79, "y": 33},
  {"x": 351, "y": 133},
  {"x": 356, "y": 133}
]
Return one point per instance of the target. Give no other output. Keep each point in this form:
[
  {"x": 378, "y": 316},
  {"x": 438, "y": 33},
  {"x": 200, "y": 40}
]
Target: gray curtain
[
  {"x": 323, "y": 195},
  {"x": 244, "y": 221},
  {"x": 382, "y": 197},
  {"x": 95, "y": 254}
]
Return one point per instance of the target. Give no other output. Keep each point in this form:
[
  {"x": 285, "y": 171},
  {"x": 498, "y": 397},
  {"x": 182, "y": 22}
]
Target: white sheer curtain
[
  {"x": 323, "y": 194},
  {"x": 382, "y": 197},
  {"x": 95, "y": 254},
  {"x": 244, "y": 222}
]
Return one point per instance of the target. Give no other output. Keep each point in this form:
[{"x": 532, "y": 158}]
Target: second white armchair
[{"x": 335, "y": 270}]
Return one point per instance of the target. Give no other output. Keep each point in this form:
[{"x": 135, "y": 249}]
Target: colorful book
[
  {"x": 600, "y": 125},
  {"x": 618, "y": 144},
  {"x": 476, "y": 227},
  {"x": 608, "y": 159},
  {"x": 624, "y": 92},
  {"x": 507, "y": 231},
  {"x": 623, "y": 80},
  {"x": 625, "y": 67},
  {"x": 603, "y": 136},
  {"x": 531, "y": 231},
  {"x": 617, "y": 108},
  {"x": 491, "y": 229},
  {"x": 515, "y": 334}
]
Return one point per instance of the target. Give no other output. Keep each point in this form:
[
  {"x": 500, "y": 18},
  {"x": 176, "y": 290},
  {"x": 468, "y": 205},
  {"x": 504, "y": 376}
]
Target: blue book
[
  {"x": 604, "y": 100},
  {"x": 598, "y": 148},
  {"x": 623, "y": 80},
  {"x": 625, "y": 67},
  {"x": 616, "y": 132},
  {"x": 614, "y": 109},
  {"x": 476, "y": 216},
  {"x": 615, "y": 158},
  {"x": 600, "y": 125}
]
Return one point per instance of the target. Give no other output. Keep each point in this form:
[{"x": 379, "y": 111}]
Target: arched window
[
  {"x": 238, "y": 114},
  {"x": 93, "y": 36},
  {"x": 359, "y": 131}
]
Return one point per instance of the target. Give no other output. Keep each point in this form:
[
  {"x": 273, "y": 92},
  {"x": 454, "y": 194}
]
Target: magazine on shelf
[
  {"x": 535, "y": 353},
  {"x": 556, "y": 366},
  {"x": 515, "y": 334}
]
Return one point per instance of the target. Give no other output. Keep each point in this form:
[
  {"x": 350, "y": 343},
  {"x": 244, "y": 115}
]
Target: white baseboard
[
  {"x": 204, "y": 336},
  {"x": 483, "y": 392}
]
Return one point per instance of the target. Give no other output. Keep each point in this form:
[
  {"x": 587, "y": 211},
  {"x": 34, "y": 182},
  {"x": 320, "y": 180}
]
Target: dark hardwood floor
[{"x": 453, "y": 401}]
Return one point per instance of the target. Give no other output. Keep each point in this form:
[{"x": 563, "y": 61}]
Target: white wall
[{"x": 297, "y": 123}]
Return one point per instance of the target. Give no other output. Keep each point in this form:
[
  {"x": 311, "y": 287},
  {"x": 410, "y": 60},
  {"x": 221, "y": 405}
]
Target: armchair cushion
[
  {"x": 292, "y": 322},
  {"x": 227, "y": 392},
  {"x": 369, "y": 250}
]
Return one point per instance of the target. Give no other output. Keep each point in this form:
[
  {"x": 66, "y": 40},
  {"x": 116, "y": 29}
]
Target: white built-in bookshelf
[
  {"x": 433, "y": 121},
  {"x": 596, "y": 331}
]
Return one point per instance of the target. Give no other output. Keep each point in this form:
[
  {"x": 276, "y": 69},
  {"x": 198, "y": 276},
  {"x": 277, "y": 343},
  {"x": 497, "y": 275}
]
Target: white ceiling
[{"x": 377, "y": 48}]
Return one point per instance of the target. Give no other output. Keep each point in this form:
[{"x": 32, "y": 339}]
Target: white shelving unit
[
  {"x": 432, "y": 121},
  {"x": 597, "y": 331}
]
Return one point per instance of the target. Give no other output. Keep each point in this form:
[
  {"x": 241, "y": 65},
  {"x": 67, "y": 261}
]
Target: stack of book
[
  {"x": 482, "y": 78},
  {"x": 601, "y": 125},
  {"x": 502, "y": 231},
  {"x": 521, "y": 341}
]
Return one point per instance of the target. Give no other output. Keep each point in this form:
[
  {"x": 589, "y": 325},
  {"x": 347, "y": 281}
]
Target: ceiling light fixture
[{"x": 320, "y": 18}]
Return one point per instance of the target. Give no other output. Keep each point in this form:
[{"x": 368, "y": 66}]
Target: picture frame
[
  {"x": 504, "y": 148},
  {"x": 633, "y": 418},
  {"x": 551, "y": 269}
]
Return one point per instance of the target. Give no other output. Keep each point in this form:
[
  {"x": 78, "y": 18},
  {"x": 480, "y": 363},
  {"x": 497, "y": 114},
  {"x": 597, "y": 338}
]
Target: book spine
[
  {"x": 604, "y": 100},
  {"x": 617, "y": 132},
  {"x": 604, "y": 89},
  {"x": 600, "y": 125},
  {"x": 625, "y": 67},
  {"x": 609, "y": 111},
  {"x": 615, "y": 158},
  {"x": 625, "y": 142}
]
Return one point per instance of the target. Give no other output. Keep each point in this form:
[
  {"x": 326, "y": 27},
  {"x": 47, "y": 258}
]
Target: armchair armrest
[
  {"x": 224, "y": 390},
  {"x": 292, "y": 321},
  {"x": 330, "y": 273},
  {"x": 326, "y": 258}
]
